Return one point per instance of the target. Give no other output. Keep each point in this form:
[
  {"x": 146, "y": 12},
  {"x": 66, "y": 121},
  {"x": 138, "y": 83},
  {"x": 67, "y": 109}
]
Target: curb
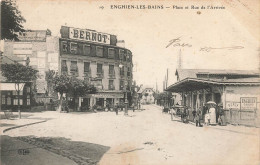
[{"x": 19, "y": 126}]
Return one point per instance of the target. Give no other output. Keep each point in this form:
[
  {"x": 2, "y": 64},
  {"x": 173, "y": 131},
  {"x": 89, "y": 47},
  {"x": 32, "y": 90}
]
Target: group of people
[{"x": 212, "y": 114}]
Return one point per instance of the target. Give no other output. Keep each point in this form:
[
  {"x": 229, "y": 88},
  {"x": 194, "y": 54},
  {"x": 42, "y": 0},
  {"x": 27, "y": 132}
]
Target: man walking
[
  {"x": 198, "y": 117},
  {"x": 116, "y": 108}
]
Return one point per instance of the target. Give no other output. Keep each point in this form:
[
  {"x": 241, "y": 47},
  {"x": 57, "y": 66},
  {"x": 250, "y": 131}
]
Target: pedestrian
[
  {"x": 194, "y": 114},
  {"x": 207, "y": 119},
  {"x": 198, "y": 118},
  {"x": 116, "y": 108}
]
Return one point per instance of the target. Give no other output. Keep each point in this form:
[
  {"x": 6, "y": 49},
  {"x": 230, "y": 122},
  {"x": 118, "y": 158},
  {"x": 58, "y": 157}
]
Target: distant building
[
  {"x": 95, "y": 57},
  {"x": 147, "y": 95}
]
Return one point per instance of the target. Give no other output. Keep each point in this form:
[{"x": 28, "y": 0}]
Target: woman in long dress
[{"x": 212, "y": 112}]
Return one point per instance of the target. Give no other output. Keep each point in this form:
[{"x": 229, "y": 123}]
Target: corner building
[{"x": 95, "y": 57}]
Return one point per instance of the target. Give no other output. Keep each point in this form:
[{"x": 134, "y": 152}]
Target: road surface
[{"x": 147, "y": 137}]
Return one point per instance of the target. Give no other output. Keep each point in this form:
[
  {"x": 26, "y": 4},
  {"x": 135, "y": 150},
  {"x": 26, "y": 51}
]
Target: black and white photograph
[{"x": 130, "y": 82}]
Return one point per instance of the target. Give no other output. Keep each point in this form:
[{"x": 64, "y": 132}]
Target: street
[{"x": 147, "y": 137}]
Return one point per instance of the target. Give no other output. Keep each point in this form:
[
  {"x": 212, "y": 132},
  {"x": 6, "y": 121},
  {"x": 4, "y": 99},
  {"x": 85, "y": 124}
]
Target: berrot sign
[{"x": 88, "y": 35}]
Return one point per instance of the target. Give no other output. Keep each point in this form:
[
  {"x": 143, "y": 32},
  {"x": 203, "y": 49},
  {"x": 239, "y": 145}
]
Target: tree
[
  {"x": 49, "y": 77},
  {"x": 72, "y": 86},
  {"x": 11, "y": 20},
  {"x": 79, "y": 88},
  {"x": 61, "y": 84},
  {"x": 18, "y": 73}
]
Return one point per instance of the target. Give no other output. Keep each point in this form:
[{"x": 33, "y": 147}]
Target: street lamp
[{"x": 126, "y": 102}]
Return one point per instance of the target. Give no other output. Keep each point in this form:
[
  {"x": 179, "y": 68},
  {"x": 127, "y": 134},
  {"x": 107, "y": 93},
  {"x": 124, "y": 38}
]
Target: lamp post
[
  {"x": 126, "y": 102},
  {"x": 125, "y": 89}
]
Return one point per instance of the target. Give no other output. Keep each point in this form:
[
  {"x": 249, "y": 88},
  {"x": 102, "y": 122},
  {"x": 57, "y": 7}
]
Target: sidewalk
[
  {"x": 229, "y": 128},
  {"x": 26, "y": 119},
  {"x": 17, "y": 152}
]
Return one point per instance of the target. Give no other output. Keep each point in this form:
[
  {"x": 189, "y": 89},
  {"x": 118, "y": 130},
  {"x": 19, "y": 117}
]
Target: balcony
[
  {"x": 74, "y": 72},
  {"x": 64, "y": 70},
  {"x": 112, "y": 75},
  {"x": 111, "y": 87},
  {"x": 87, "y": 73},
  {"x": 100, "y": 74}
]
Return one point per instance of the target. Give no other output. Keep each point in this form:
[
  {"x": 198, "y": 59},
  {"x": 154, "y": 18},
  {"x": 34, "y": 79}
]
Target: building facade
[
  {"x": 147, "y": 96},
  {"x": 40, "y": 49},
  {"x": 236, "y": 90},
  {"x": 95, "y": 57}
]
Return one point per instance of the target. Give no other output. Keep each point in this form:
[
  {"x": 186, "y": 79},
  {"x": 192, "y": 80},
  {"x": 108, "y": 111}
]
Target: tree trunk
[{"x": 60, "y": 105}]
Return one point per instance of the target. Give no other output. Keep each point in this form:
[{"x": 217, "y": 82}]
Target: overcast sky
[{"x": 148, "y": 32}]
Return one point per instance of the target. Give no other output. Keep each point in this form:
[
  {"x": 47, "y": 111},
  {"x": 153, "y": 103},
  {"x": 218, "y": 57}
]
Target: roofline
[{"x": 211, "y": 82}]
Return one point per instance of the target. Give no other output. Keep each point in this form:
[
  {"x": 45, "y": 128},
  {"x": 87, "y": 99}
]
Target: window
[
  {"x": 86, "y": 66},
  {"x": 128, "y": 72},
  {"x": 121, "y": 54},
  {"x": 3, "y": 99},
  {"x": 64, "y": 46},
  {"x": 99, "y": 68},
  {"x": 16, "y": 101},
  {"x": 28, "y": 90},
  {"x": 73, "y": 66},
  {"x": 121, "y": 85},
  {"x": 64, "y": 66},
  {"x": 16, "y": 93},
  {"x": 99, "y": 51},
  {"x": 28, "y": 100},
  {"x": 8, "y": 100},
  {"x": 111, "y": 85},
  {"x": 111, "y": 53},
  {"x": 128, "y": 56},
  {"x": 73, "y": 48},
  {"x": 86, "y": 50},
  {"x": 111, "y": 70},
  {"x": 80, "y": 49},
  {"x": 122, "y": 71}
]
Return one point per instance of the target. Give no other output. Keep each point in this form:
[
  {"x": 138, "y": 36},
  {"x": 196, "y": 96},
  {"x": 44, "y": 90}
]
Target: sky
[{"x": 147, "y": 32}]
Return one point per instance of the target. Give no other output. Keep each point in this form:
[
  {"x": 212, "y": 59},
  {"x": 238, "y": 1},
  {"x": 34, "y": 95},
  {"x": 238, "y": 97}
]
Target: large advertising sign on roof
[{"x": 88, "y": 35}]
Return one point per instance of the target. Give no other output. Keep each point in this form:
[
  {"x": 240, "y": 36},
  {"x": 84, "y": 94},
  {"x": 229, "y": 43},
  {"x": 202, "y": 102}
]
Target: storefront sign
[
  {"x": 248, "y": 103},
  {"x": 233, "y": 105},
  {"x": 88, "y": 35}
]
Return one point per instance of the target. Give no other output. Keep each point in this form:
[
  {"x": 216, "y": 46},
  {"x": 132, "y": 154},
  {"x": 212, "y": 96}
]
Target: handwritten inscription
[
  {"x": 177, "y": 43},
  {"x": 208, "y": 49}
]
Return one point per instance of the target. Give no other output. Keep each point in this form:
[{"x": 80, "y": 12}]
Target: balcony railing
[
  {"x": 111, "y": 87},
  {"x": 74, "y": 72},
  {"x": 100, "y": 74},
  {"x": 112, "y": 74},
  {"x": 87, "y": 73}
]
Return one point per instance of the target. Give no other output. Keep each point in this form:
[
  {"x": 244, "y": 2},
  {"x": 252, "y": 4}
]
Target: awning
[
  {"x": 11, "y": 86},
  {"x": 190, "y": 84}
]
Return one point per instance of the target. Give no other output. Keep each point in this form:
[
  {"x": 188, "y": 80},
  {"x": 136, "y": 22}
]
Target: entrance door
[
  {"x": 100, "y": 102},
  {"x": 217, "y": 98}
]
